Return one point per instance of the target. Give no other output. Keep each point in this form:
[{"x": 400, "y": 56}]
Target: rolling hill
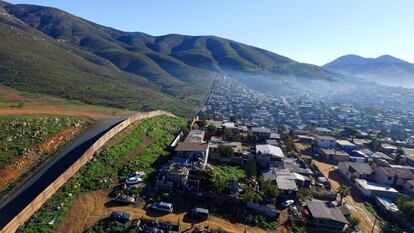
[
  {"x": 385, "y": 69},
  {"x": 50, "y": 51}
]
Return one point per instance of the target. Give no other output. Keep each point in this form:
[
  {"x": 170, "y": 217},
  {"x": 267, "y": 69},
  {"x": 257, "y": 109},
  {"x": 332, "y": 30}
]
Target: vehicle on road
[
  {"x": 162, "y": 206},
  {"x": 199, "y": 213},
  {"x": 121, "y": 216},
  {"x": 125, "y": 199},
  {"x": 287, "y": 203}
]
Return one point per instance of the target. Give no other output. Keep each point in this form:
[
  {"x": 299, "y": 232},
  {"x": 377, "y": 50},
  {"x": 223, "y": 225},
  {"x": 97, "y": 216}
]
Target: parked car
[
  {"x": 135, "y": 178},
  {"x": 162, "y": 206},
  {"x": 121, "y": 216},
  {"x": 287, "y": 203},
  {"x": 125, "y": 199},
  {"x": 199, "y": 213}
]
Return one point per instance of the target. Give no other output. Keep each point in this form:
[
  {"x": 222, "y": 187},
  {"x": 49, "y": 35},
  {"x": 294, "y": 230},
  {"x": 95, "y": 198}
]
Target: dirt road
[
  {"x": 91, "y": 207},
  {"x": 357, "y": 208}
]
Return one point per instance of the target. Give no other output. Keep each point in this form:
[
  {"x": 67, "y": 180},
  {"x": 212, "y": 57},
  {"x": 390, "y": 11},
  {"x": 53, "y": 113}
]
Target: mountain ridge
[{"x": 385, "y": 69}]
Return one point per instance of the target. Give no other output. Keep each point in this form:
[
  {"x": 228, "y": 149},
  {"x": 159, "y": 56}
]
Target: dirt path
[
  {"x": 94, "y": 115},
  {"x": 91, "y": 207},
  {"x": 357, "y": 208}
]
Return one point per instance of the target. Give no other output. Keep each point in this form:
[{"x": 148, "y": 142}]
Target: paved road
[{"x": 47, "y": 173}]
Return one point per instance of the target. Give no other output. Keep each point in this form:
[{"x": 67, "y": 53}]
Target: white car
[
  {"x": 135, "y": 178},
  {"x": 287, "y": 203}
]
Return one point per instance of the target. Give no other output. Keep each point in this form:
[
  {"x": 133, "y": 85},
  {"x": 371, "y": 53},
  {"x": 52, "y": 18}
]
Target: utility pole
[{"x": 373, "y": 226}]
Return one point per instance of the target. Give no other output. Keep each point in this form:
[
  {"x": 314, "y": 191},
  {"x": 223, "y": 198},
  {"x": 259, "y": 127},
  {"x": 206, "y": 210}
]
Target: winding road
[{"x": 44, "y": 175}]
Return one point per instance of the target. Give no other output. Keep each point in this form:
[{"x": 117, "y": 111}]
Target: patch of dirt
[
  {"x": 357, "y": 208},
  {"x": 94, "y": 115},
  {"x": 24, "y": 163},
  {"x": 90, "y": 208},
  {"x": 10, "y": 96}
]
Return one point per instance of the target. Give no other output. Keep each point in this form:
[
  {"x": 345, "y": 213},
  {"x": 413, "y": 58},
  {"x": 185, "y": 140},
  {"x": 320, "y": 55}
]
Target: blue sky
[{"x": 312, "y": 31}]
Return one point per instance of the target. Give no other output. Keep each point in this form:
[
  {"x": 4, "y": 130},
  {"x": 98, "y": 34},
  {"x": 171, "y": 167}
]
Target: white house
[
  {"x": 392, "y": 175},
  {"x": 375, "y": 189},
  {"x": 352, "y": 170}
]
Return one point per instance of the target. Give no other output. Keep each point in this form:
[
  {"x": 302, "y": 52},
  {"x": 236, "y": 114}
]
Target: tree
[
  {"x": 212, "y": 181},
  {"x": 398, "y": 156},
  {"x": 251, "y": 195},
  {"x": 225, "y": 150},
  {"x": 211, "y": 130},
  {"x": 270, "y": 190},
  {"x": 343, "y": 192},
  {"x": 202, "y": 124},
  {"x": 353, "y": 222},
  {"x": 251, "y": 168},
  {"x": 304, "y": 194}
]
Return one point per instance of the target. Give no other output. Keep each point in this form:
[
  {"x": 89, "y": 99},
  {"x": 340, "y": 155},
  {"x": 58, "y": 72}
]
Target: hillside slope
[
  {"x": 174, "y": 62},
  {"x": 33, "y": 62},
  {"x": 385, "y": 69}
]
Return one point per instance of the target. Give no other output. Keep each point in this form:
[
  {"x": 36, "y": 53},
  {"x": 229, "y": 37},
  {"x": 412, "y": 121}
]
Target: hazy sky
[{"x": 312, "y": 31}]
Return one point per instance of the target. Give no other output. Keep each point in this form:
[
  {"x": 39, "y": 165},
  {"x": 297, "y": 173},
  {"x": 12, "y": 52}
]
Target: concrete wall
[{"x": 27, "y": 212}]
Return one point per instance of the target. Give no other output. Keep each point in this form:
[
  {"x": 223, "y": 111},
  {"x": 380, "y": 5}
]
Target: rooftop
[
  {"x": 192, "y": 146},
  {"x": 375, "y": 186},
  {"x": 344, "y": 143},
  {"x": 361, "y": 168},
  {"x": 320, "y": 209},
  {"x": 261, "y": 130},
  {"x": 269, "y": 149}
]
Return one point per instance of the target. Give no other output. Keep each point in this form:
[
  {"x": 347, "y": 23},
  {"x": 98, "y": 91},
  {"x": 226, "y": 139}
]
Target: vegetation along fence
[{"x": 30, "y": 209}]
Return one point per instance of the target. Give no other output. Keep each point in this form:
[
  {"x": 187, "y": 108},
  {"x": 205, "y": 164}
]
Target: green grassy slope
[
  {"x": 33, "y": 62},
  {"x": 174, "y": 62}
]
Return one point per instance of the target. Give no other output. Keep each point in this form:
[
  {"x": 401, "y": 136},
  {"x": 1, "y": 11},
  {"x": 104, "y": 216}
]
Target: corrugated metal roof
[{"x": 319, "y": 209}]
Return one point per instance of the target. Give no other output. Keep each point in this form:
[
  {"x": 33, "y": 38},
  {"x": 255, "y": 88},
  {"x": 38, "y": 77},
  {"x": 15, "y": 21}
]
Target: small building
[
  {"x": 345, "y": 145},
  {"x": 334, "y": 155},
  {"x": 287, "y": 187},
  {"x": 352, "y": 170},
  {"x": 409, "y": 186},
  {"x": 386, "y": 205},
  {"x": 392, "y": 175},
  {"x": 229, "y": 125},
  {"x": 175, "y": 173},
  {"x": 322, "y": 131},
  {"x": 262, "y": 133},
  {"x": 265, "y": 154},
  {"x": 192, "y": 153},
  {"x": 371, "y": 189},
  {"x": 325, "y": 141},
  {"x": 325, "y": 216}
]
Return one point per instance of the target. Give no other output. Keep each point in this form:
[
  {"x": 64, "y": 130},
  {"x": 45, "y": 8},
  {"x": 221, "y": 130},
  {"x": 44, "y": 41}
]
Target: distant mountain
[{"x": 385, "y": 69}]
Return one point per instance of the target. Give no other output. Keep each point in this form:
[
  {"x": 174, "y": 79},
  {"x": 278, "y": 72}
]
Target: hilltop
[{"x": 386, "y": 69}]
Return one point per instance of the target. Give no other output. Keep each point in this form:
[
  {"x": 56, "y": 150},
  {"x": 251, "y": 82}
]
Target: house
[
  {"x": 306, "y": 139},
  {"x": 388, "y": 148},
  {"x": 333, "y": 155},
  {"x": 192, "y": 153},
  {"x": 229, "y": 125},
  {"x": 273, "y": 173},
  {"x": 175, "y": 173},
  {"x": 265, "y": 154},
  {"x": 325, "y": 141},
  {"x": 287, "y": 187},
  {"x": 345, "y": 145},
  {"x": 195, "y": 135},
  {"x": 322, "y": 131},
  {"x": 371, "y": 189},
  {"x": 262, "y": 133},
  {"x": 352, "y": 170},
  {"x": 409, "y": 186},
  {"x": 386, "y": 205},
  {"x": 392, "y": 175},
  {"x": 325, "y": 216}
]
